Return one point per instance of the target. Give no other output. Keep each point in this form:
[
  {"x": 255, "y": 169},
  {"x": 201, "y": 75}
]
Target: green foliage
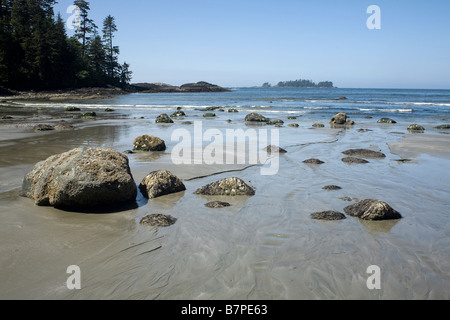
[
  {"x": 36, "y": 54},
  {"x": 305, "y": 84}
]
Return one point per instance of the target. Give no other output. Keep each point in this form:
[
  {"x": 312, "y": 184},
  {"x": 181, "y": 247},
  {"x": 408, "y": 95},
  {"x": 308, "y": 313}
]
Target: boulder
[
  {"x": 328, "y": 215},
  {"x": 387, "y": 120},
  {"x": 294, "y": 125},
  {"x": 318, "y": 125},
  {"x": 158, "y": 220},
  {"x": 364, "y": 153},
  {"x": 209, "y": 115},
  {"x": 416, "y": 128},
  {"x": 81, "y": 179},
  {"x": 255, "y": 117},
  {"x": 372, "y": 210},
  {"x": 160, "y": 183},
  {"x": 164, "y": 118},
  {"x": 89, "y": 114},
  {"x": 275, "y": 122},
  {"x": 340, "y": 118},
  {"x": 233, "y": 110},
  {"x": 227, "y": 187},
  {"x": 149, "y": 143},
  {"x": 443, "y": 127},
  {"x": 72, "y": 109}
]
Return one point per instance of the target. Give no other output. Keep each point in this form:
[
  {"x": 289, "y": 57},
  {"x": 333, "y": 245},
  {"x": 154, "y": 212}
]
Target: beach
[{"x": 262, "y": 247}]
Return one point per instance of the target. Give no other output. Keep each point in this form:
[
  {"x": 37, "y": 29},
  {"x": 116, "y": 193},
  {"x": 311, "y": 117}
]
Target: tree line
[
  {"x": 37, "y": 54},
  {"x": 301, "y": 84}
]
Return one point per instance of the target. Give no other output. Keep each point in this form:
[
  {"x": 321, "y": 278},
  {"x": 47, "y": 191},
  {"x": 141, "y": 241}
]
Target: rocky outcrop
[
  {"x": 364, "y": 153},
  {"x": 43, "y": 127},
  {"x": 160, "y": 183},
  {"x": 340, "y": 118},
  {"x": 164, "y": 118},
  {"x": 201, "y": 86},
  {"x": 370, "y": 209},
  {"x": 81, "y": 179},
  {"x": 149, "y": 143},
  {"x": 158, "y": 220},
  {"x": 227, "y": 187},
  {"x": 328, "y": 215}
]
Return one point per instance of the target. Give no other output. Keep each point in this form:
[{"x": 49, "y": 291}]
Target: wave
[{"x": 387, "y": 110}]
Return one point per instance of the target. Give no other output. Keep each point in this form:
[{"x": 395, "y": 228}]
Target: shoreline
[{"x": 262, "y": 247}]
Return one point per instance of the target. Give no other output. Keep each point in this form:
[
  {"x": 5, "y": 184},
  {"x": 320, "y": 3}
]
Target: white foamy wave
[{"x": 387, "y": 110}]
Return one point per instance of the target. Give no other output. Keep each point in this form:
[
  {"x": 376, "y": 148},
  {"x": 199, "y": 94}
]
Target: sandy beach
[{"x": 261, "y": 247}]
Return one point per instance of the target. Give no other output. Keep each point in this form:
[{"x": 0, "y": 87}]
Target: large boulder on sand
[
  {"x": 372, "y": 210},
  {"x": 81, "y": 179},
  {"x": 227, "y": 187},
  {"x": 160, "y": 183},
  {"x": 149, "y": 143},
  {"x": 164, "y": 118}
]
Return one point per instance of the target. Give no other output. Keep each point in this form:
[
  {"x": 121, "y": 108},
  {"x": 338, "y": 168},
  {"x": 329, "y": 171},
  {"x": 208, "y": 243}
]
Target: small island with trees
[{"x": 300, "y": 84}]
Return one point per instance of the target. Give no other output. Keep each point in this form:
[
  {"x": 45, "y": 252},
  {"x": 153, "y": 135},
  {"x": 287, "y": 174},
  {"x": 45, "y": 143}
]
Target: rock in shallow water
[
  {"x": 370, "y": 209},
  {"x": 328, "y": 215},
  {"x": 148, "y": 143},
  {"x": 353, "y": 160},
  {"x": 227, "y": 187},
  {"x": 81, "y": 179},
  {"x": 217, "y": 204},
  {"x": 365, "y": 153},
  {"x": 160, "y": 183},
  {"x": 313, "y": 161},
  {"x": 158, "y": 220}
]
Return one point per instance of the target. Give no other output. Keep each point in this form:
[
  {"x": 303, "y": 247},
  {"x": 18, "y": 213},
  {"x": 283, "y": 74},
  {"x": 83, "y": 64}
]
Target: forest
[{"x": 37, "y": 54}]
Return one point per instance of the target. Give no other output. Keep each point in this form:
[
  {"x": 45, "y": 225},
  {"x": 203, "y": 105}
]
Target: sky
[{"x": 239, "y": 43}]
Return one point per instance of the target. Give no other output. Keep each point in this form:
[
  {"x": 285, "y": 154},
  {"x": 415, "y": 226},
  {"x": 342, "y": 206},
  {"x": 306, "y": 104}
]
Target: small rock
[
  {"x": 318, "y": 125},
  {"x": 275, "y": 149},
  {"x": 128, "y": 152},
  {"x": 186, "y": 122},
  {"x": 158, "y": 220},
  {"x": 149, "y": 143},
  {"x": 72, "y": 109},
  {"x": 109, "y": 110},
  {"x": 443, "y": 127},
  {"x": 331, "y": 188},
  {"x": 43, "y": 127},
  {"x": 293, "y": 125},
  {"x": 348, "y": 199},
  {"x": 275, "y": 122},
  {"x": 353, "y": 160},
  {"x": 217, "y": 204},
  {"x": 365, "y": 153},
  {"x": 372, "y": 210},
  {"x": 328, "y": 216},
  {"x": 209, "y": 115},
  {"x": 227, "y": 187},
  {"x": 342, "y": 98},
  {"x": 313, "y": 161},
  {"x": 416, "y": 128},
  {"x": 292, "y": 118},
  {"x": 64, "y": 126},
  {"x": 164, "y": 118},
  {"x": 178, "y": 114},
  {"x": 89, "y": 114},
  {"x": 160, "y": 183},
  {"x": 7, "y": 117},
  {"x": 364, "y": 130},
  {"x": 233, "y": 110},
  {"x": 387, "y": 120}
]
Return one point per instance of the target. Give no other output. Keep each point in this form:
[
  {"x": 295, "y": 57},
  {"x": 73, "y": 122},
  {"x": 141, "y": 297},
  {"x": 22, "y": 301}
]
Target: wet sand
[{"x": 262, "y": 247}]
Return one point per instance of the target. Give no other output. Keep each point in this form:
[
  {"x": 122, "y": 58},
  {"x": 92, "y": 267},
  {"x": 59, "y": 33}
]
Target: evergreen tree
[
  {"x": 125, "y": 74},
  {"x": 112, "y": 52},
  {"x": 87, "y": 26}
]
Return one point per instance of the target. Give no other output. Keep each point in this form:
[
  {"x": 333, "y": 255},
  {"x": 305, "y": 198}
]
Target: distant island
[{"x": 300, "y": 84}]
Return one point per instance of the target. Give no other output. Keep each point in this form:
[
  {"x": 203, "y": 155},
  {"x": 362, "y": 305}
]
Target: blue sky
[{"x": 248, "y": 42}]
